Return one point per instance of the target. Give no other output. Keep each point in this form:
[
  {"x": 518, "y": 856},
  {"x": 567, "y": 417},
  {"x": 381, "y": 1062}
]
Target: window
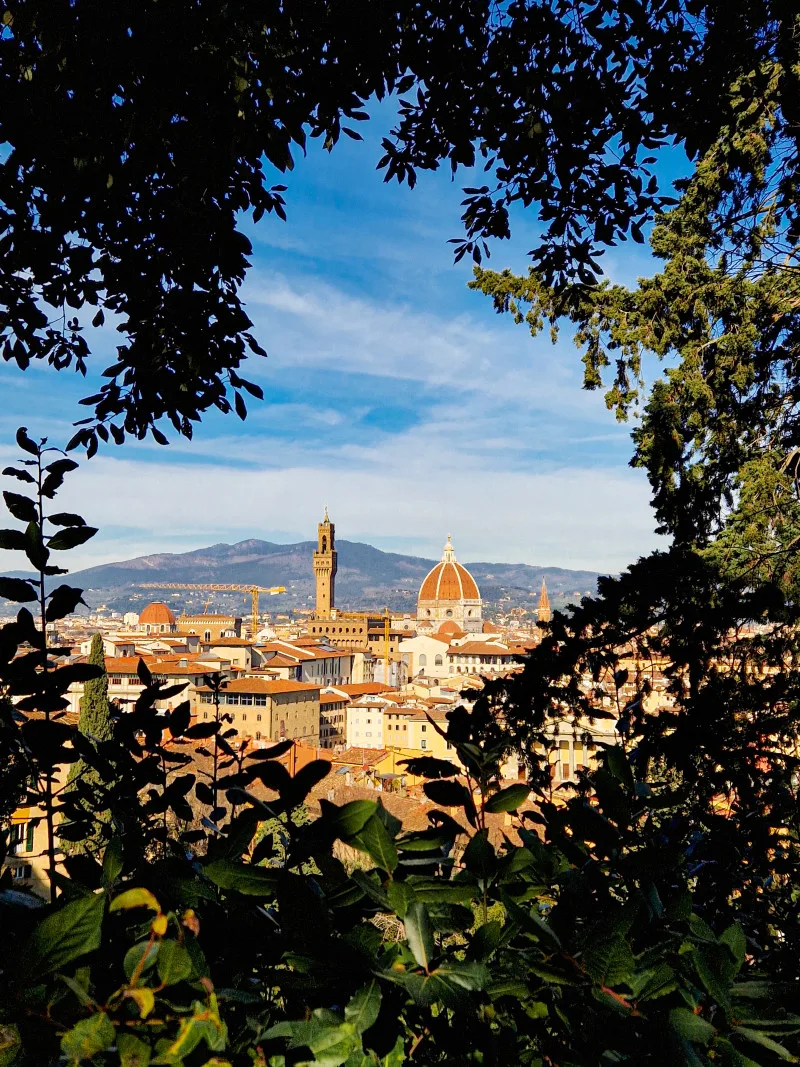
[
  {"x": 258, "y": 733},
  {"x": 231, "y": 698},
  {"x": 423, "y": 727},
  {"x": 449, "y": 613},
  {"x": 244, "y": 716},
  {"x": 207, "y": 635},
  {"x": 438, "y": 661},
  {"x": 205, "y": 714},
  {"x": 246, "y": 698},
  {"x": 423, "y": 660},
  {"x": 260, "y": 699},
  {"x": 31, "y": 828},
  {"x": 206, "y": 698},
  {"x": 115, "y": 680},
  {"x": 258, "y": 717},
  {"x": 423, "y": 743}
]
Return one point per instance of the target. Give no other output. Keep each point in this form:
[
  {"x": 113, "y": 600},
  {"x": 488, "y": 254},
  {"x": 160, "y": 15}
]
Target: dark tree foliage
[
  {"x": 240, "y": 938},
  {"x": 717, "y": 434},
  {"x": 95, "y": 724},
  {"x": 139, "y": 134}
]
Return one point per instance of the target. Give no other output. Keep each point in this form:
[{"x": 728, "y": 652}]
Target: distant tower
[
  {"x": 325, "y": 567},
  {"x": 543, "y": 611}
]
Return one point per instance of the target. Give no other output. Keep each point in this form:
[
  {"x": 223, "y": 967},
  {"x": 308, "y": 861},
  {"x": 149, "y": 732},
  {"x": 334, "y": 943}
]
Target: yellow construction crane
[{"x": 253, "y": 590}]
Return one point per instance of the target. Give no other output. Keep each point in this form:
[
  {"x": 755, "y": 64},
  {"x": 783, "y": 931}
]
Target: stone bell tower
[
  {"x": 325, "y": 567},
  {"x": 543, "y": 612}
]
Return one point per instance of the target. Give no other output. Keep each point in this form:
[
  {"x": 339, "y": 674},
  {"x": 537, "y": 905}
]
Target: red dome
[
  {"x": 450, "y": 628},
  {"x": 157, "y": 614},
  {"x": 449, "y": 580}
]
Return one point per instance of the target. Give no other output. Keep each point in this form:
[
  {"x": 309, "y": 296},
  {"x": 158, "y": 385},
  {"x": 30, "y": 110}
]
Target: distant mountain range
[{"x": 366, "y": 578}]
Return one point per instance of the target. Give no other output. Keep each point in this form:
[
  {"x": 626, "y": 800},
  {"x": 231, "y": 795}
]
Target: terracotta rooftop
[
  {"x": 479, "y": 648},
  {"x": 360, "y": 757},
  {"x": 332, "y": 698},
  {"x": 269, "y": 686},
  {"x": 359, "y": 689}
]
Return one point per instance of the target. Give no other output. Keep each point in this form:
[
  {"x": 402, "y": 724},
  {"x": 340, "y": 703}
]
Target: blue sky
[{"x": 393, "y": 394}]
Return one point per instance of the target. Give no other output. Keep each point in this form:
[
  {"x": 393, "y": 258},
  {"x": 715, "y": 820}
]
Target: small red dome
[
  {"x": 449, "y": 628},
  {"x": 157, "y": 614}
]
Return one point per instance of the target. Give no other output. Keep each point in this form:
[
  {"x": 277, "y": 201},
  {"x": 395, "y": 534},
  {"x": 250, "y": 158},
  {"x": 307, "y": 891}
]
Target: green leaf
[
  {"x": 757, "y": 1038},
  {"x": 734, "y": 938},
  {"x": 65, "y": 518},
  {"x": 485, "y": 940},
  {"x": 429, "y": 767},
  {"x": 609, "y": 962},
  {"x": 174, "y": 963},
  {"x": 67, "y": 934},
  {"x": 132, "y": 1051},
  {"x": 437, "y": 889},
  {"x": 347, "y": 820},
  {"x": 369, "y": 883},
  {"x": 88, "y": 1037},
  {"x": 508, "y": 799},
  {"x": 479, "y": 856},
  {"x": 146, "y": 951},
  {"x": 16, "y": 589},
  {"x": 62, "y": 602},
  {"x": 449, "y": 918},
  {"x": 13, "y": 540},
  {"x": 400, "y": 895},
  {"x": 24, "y": 442},
  {"x": 362, "y": 1010},
  {"x": 135, "y": 898},
  {"x": 21, "y": 507},
  {"x": 447, "y": 793},
  {"x": 112, "y": 860},
  {"x": 419, "y": 934},
  {"x": 424, "y": 841},
  {"x": 713, "y": 965},
  {"x": 530, "y": 921},
  {"x": 373, "y": 838},
  {"x": 617, "y": 763},
  {"x": 243, "y": 878},
  {"x": 10, "y": 1045},
  {"x": 657, "y": 983},
  {"x": 71, "y": 537},
  {"x": 691, "y": 1027}
]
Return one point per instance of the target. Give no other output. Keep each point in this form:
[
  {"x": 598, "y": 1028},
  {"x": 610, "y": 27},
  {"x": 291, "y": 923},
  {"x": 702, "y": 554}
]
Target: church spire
[
  {"x": 449, "y": 554},
  {"x": 543, "y": 611}
]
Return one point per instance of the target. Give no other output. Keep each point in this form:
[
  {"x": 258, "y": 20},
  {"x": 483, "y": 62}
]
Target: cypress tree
[{"x": 94, "y": 724}]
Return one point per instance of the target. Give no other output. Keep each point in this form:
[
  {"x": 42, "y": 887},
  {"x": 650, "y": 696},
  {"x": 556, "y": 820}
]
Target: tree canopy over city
[
  {"x": 649, "y": 916},
  {"x": 138, "y": 136}
]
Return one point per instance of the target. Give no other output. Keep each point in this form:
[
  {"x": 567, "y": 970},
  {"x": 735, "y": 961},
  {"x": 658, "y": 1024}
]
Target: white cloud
[{"x": 509, "y": 454}]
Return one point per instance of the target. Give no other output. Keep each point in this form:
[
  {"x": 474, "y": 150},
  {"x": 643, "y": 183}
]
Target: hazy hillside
[{"x": 367, "y": 578}]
